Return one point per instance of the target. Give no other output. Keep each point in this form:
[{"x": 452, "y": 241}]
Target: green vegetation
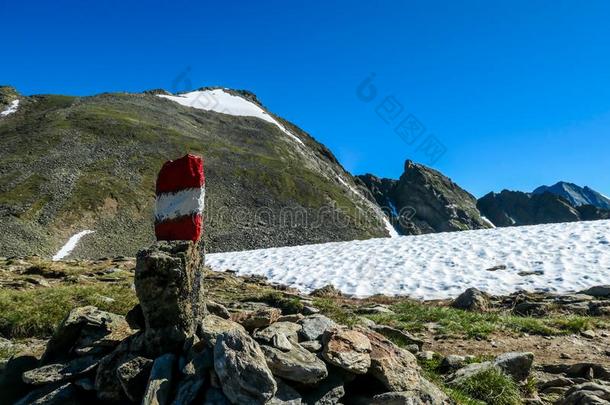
[
  {"x": 36, "y": 312},
  {"x": 492, "y": 387}
]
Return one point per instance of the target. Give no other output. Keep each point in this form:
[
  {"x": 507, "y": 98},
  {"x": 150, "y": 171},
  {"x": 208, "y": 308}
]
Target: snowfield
[
  {"x": 70, "y": 245},
  {"x": 220, "y": 101},
  {"x": 12, "y": 107},
  {"x": 557, "y": 258}
]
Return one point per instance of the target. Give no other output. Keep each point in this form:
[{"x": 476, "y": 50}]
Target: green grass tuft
[{"x": 492, "y": 387}]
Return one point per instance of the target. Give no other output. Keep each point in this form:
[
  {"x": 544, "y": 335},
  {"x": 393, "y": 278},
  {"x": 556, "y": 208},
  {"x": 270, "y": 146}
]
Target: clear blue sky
[{"x": 518, "y": 92}]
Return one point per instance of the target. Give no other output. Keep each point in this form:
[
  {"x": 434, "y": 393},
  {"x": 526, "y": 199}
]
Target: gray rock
[
  {"x": 313, "y": 346},
  {"x": 426, "y": 394},
  {"x": 394, "y": 367},
  {"x": 12, "y": 386},
  {"x": 159, "y": 384},
  {"x": 472, "y": 300},
  {"x": 242, "y": 370},
  {"x": 257, "y": 319},
  {"x": 212, "y": 326},
  {"x": 589, "y": 334},
  {"x": 328, "y": 291},
  {"x": 86, "y": 330},
  {"x": 452, "y": 363},
  {"x": 532, "y": 308},
  {"x": 328, "y": 391},
  {"x": 402, "y": 336},
  {"x": 589, "y": 393},
  {"x": 348, "y": 349},
  {"x": 169, "y": 286},
  {"x": 133, "y": 375},
  {"x": 599, "y": 291},
  {"x": 297, "y": 364},
  {"x": 285, "y": 395},
  {"x": 515, "y": 364},
  {"x": 309, "y": 310},
  {"x": 314, "y": 326},
  {"x": 66, "y": 394},
  {"x": 288, "y": 330},
  {"x": 197, "y": 364},
  {"x": 378, "y": 309},
  {"x": 60, "y": 372},
  {"x": 218, "y": 310}
]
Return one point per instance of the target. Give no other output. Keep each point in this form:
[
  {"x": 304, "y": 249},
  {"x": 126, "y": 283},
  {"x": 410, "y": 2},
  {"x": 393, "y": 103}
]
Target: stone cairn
[{"x": 169, "y": 350}]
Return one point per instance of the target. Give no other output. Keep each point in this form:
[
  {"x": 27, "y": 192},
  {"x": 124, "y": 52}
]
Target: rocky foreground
[{"x": 262, "y": 343}]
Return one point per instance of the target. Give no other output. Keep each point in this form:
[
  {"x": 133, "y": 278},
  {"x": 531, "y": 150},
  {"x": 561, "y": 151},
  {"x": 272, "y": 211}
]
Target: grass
[
  {"x": 492, "y": 387},
  {"x": 37, "y": 312}
]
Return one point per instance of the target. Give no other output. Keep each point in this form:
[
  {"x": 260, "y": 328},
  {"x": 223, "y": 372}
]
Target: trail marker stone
[{"x": 180, "y": 199}]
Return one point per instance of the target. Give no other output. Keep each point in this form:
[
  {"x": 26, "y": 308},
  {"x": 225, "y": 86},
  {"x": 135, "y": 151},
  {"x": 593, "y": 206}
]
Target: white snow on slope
[
  {"x": 487, "y": 221},
  {"x": 563, "y": 257},
  {"x": 388, "y": 226},
  {"x": 10, "y": 109},
  {"x": 70, "y": 245},
  {"x": 220, "y": 101}
]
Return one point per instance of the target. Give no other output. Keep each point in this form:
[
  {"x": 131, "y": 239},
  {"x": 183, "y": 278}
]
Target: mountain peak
[{"x": 575, "y": 194}]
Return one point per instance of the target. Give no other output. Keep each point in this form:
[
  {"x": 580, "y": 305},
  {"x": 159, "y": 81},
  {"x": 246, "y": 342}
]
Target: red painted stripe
[
  {"x": 183, "y": 228},
  {"x": 175, "y": 175}
]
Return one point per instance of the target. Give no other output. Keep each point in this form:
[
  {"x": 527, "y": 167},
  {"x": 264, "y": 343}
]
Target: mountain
[
  {"x": 514, "y": 208},
  {"x": 423, "y": 200},
  {"x": 576, "y": 195},
  {"x": 69, "y": 164}
]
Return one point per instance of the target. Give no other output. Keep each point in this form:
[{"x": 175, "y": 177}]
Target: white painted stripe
[
  {"x": 181, "y": 203},
  {"x": 70, "y": 245}
]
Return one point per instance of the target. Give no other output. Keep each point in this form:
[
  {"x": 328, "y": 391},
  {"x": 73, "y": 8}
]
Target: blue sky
[{"x": 517, "y": 93}]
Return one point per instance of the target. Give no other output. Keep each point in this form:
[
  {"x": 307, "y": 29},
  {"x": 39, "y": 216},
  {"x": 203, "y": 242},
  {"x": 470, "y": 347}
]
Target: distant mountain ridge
[{"x": 576, "y": 195}]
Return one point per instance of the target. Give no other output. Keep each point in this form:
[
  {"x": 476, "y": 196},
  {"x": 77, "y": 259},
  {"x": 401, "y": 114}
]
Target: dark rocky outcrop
[{"x": 423, "y": 200}]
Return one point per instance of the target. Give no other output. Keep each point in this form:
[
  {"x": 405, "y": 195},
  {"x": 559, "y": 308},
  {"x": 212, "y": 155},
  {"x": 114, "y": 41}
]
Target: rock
[
  {"x": 394, "y": 367},
  {"x": 199, "y": 360},
  {"x": 279, "y": 332},
  {"x": 54, "y": 373},
  {"x": 425, "y": 394},
  {"x": 107, "y": 384},
  {"x": 599, "y": 291},
  {"x": 297, "y": 364},
  {"x": 348, "y": 349},
  {"x": 212, "y": 326},
  {"x": 294, "y": 318},
  {"x": 377, "y": 309},
  {"x": 66, "y": 394},
  {"x": 313, "y": 346},
  {"x": 586, "y": 394},
  {"x": 12, "y": 386},
  {"x": 328, "y": 291},
  {"x": 159, "y": 384},
  {"x": 532, "y": 308},
  {"x": 314, "y": 326},
  {"x": 426, "y": 355},
  {"x": 309, "y": 310},
  {"x": 135, "y": 318},
  {"x": 470, "y": 370},
  {"x": 215, "y": 396},
  {"x": 452, "y": 363},
  {"x": 218, "y": 310},
  {"x": 257, "y": 319},
  {"x": 328, "y": 391},
  {"x": 472, "y": 300},
  {"x": 515, "y": 364},
  {"x": 588, "y": 334},
  {"x": 285, "y": 395},
  {"x": 86, "y": 330},
  {"x": 169, "y": 286},
  {"x": 402, "y": 336},
  {"x": 133, "y": 375},
  {"x": 242, "y": 369}
]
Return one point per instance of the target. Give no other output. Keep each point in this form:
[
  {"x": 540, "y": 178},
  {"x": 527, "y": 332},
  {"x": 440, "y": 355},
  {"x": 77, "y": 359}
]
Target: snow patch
[
  {"x": 567, "y": 257},
  {"x": 487, "y": 221},
  {"x": 388, "y": 226},
  {"x": 10, "y": 109},
  {"x": 220, "y": 101},
  {"x": 70, "y": 245}
]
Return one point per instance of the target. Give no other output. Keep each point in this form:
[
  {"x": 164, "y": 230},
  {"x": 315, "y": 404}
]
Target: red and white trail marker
[{"x": 180, "y": 199}]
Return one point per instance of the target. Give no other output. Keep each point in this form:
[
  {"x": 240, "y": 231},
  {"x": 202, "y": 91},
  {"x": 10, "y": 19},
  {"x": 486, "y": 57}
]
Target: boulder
[
  {"x": 313, "y": 346},
  {"x": 328, "y": 291},
  {"x": 348, "y": 349},
  {"x": 515, "y": 364},
  {"x": 12, "y": 386},
  {"x": 314, "y": 326},
  {"x": 242, "y": 370},
  {"x": 377, "y": 309},
  {"x": 394, "y": 367},
  {"x": 159, "y": 384},
  {"x": 133, "y": 375},
  {"x": 598, "y": 291},
  {"x": 169, "y": 286},
  {"x": 285, "y": 395},
  {"x": 257, "y": 319},
  {"x": 451, "y": 363},
  {"x": 426, "y": 393},
  {"x": 590, "y": 393},
  {"x": 296, "y": 364},
  {"x": 218, "y": 310},
  {"x": 328, "y": 391},
  {"x": 396, "y": 334},
  {"x": 66, "y": 394},
  {"x": 59, "y": 372},
  {"x": 470, "y": 370},
  {"x": 472, "y": 300},
  {"x": 212, "y": 326},
  {"x": 279, "y": 331},
  {"x": 86, "y": 330}
]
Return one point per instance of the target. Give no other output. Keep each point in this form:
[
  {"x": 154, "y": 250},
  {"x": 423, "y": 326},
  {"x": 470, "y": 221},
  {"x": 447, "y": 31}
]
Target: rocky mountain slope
[
  {"x": 576, "y": 195},
  {"x": 69, "y": 164},
  {"x": 423, "y": 200},
  {"x": 514, "y": 208}
]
